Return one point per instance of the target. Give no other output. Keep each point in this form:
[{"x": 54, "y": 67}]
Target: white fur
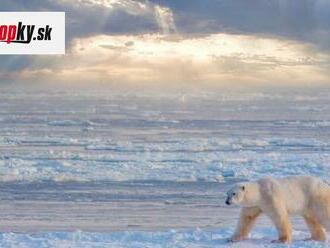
[{"x": 278, "y": 198}]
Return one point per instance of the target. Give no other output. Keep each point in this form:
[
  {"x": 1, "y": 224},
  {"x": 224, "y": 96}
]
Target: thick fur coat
[{"x": 278, "y": 199}]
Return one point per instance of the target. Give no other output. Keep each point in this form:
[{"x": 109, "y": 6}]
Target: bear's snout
[{"x": 228, "y": 202}]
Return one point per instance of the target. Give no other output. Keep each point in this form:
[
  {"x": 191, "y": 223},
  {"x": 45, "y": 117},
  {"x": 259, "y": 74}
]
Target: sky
[{"x": 180, "y": 43}]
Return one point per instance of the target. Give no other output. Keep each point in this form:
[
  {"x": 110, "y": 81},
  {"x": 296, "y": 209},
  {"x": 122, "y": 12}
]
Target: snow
[
  {"x": 196, "y": 238},
  {"x": 104, "y": 136},
  {"x": 145, "y": 170}
]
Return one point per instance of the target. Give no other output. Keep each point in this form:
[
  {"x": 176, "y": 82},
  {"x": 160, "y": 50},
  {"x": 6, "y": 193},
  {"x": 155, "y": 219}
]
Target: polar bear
[{"x": 278, "y": 198}]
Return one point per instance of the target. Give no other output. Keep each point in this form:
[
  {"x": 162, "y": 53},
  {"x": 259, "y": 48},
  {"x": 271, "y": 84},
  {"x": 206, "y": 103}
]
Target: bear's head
[
  {"x": 236, "y": 194},
  {"x": 246, "y": 194}
]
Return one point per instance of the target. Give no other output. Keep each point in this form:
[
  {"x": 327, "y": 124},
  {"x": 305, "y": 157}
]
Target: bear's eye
[{"x": 234, "y": 193}]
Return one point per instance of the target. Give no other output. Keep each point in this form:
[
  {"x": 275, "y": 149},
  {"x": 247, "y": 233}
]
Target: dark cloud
[
  {"x": 300, "y": 19},
  {"x": 85, "y": 19},
  {"x": 306, "y": 20},
  {"x": 82, "y": 20},
  {"x": 14, "y": 62}
]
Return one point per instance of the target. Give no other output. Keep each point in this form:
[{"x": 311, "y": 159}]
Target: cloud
[
  {"x": 165, "y": 19},
  {"x": 92, "y": 17},
  {"x": 215, "y": 60},
  {"x": 85, "y": 18},
  {"x": 184, "y": 41},
  {"x": 306, "y": 20}
]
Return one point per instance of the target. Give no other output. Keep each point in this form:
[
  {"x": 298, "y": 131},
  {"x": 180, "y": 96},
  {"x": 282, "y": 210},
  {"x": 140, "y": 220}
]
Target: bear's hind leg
[
  {"x": 247, "y": 219},
  {"x": 320, "y": 209},
  {"x": 317, "y": 231}
]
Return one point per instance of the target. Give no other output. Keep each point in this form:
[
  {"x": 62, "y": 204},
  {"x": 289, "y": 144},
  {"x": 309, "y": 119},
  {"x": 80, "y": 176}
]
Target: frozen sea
[{"x": 106, "y": 169}]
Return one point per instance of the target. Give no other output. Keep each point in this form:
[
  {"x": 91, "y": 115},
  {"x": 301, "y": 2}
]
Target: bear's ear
[{"x": 243, "y": 187}]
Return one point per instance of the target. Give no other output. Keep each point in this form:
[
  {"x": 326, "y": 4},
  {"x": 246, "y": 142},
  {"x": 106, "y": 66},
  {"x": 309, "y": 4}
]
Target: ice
[
  {"x": 195, "y": 238},
  {"x": 138, "y": 169},
  {"x": 117, "y": 137},
  {"x": 65, "y": 123}
]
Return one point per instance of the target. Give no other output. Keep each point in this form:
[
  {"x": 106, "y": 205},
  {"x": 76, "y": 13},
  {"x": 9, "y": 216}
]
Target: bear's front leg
[
  {"x": 274, "y": 206},
  {"x": 247, "y": 219},
  {"x": 280, "y": 219}
]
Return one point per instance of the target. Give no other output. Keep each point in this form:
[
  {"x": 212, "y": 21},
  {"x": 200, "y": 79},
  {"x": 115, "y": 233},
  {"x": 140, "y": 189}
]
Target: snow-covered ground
[
  {"x": 145, "y": 170},
  {"x": 195, "y": 238},
  {"x": 103, "y": 136}
]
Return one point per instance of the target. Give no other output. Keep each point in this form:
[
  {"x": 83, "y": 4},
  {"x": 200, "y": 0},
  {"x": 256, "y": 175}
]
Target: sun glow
[{"x": 217, "y": 59}]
